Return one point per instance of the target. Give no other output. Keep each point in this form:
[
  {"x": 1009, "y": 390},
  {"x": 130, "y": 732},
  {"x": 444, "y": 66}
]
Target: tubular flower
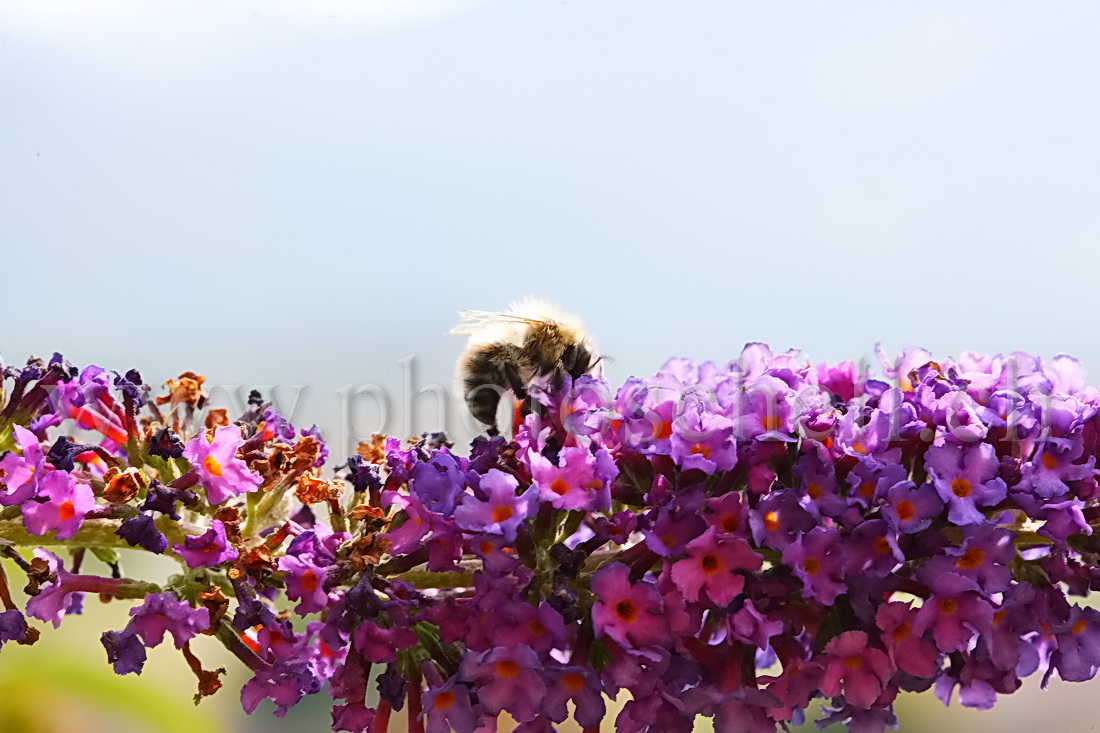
[{"x": 857, "y": 537}]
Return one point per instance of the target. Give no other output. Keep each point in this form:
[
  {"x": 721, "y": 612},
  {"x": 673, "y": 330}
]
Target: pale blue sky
[{"x": 306, "y": 192}]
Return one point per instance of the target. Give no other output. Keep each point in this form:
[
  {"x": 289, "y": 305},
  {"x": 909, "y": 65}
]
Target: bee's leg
[{"x": 512, "y": 379}]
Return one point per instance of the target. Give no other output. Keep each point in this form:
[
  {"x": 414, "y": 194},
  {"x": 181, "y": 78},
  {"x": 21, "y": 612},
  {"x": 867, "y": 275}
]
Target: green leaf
[{"x": 106, "y": 555}]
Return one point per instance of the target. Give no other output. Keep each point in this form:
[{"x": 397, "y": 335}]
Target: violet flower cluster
[{"x": 724, "y": 541}]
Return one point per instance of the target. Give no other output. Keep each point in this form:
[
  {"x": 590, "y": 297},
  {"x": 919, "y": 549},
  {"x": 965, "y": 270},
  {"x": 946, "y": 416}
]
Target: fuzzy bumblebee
[{"x": 508, "y": 351}]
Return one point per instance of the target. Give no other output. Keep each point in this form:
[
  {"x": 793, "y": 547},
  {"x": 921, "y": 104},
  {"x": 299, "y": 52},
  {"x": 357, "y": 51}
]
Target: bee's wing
[{"x": 472, "y": 322}]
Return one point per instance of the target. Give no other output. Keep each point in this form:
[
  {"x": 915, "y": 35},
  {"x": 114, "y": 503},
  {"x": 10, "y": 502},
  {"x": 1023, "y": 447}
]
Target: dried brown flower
[{"x": 122, "y": 486}]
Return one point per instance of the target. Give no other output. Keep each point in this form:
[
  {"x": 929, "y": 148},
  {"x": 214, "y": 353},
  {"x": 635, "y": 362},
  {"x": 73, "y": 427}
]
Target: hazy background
[{"x": 304, "y": 193}]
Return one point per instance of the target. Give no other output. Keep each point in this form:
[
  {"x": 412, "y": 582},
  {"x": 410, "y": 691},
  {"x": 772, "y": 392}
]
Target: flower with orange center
[
  {"x": 506, "y": 679},
  {"x": 581, "y": 479},
  {"x": 68, "y": 501},
  {"x": 712, "y": 566},
  {"x": 630, "y": 613},
  {"x": 966, "y": 478},
  {"x": 501, "y": 512},
  {"x": 214, "y": 457}
]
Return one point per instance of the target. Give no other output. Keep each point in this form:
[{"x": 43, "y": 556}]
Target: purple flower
[
  {"x": 355, "y": 717},
  {"x": 305, "y": 582},
  {"x": 124, "y": 650},
  {"x": 221, "y": 472},
  {"x": 68, "y": 501},
  {"x": 778, "y": 518},
  {"x": 380, "y": 645},
  {"x": 208, "y": 549},
  {"x": 502, "y": 512},
  {"x": 161, "y": 613},
  {"x": 53, "y": 600},
  {"x": 763, "y": 411},
  {"x": 873, "y": 550},
  {"x": 1078, "y": 653},
  {"x": 966, "y": 478},
  {"x": 1054, "y": 464},
  {"x": 711, "y": 565},
  {"x": 955, "y": 613},
  {"x": 164, "y": 499},
  {"x": 438, "y": 483},
  {"x": 13, "y": 627},
  {"x": 284, "y": 684},
  {"x": 983, "y": 556},
  {"x": 1063, "y": 520},
  {"x": 448, "y": 707},
  {"x": 750, "y": 626},
  {"x": 910, "y": 508},
  {"x": 141, "y": 531},
  {"x": 819, "y": 561},
  {"x": 703, "y": 440},
  {"x": 579, "y": 684},
  {"x": 507, "y": 679},
  {"x": 166, "y": 444}
]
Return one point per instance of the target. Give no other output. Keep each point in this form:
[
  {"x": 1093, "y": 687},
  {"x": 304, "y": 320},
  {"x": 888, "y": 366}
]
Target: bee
[{"x": 510, "y": 350}]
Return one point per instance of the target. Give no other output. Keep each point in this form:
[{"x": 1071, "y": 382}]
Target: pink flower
[
  {"x": 581, "y": 480},
  {"x": 19, "y": 475},
  {"x": 861, "y": 671},
  {"x": 68, "y": 502},
  {"x": 629, "y": 614},
  {"x": 223, "y": 475},
  {"x": 712, "y": 564}
]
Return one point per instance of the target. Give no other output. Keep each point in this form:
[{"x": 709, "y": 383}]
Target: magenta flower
[
  {"x": 726, "y": 514},
  {"x": 507, "y": 679},
  {"x": 628, "y": 613},
  {"x": 221, "y": 472},
  {"x": 305, "y": 582},
  {"x": 162, "y": 613},
  {"x": 503, "y": 511},
  {"x": 19, "y": 475},
  {"x": 795, "y": 687},
  {"x": 712, "y": 564},
  {"x": 861, "y": 671},
  {"x": 581, "y": 480},
  {"x": 966, "y": 478},
  {"x": 208, "y": 549},
  {"x": 68, "y": 502},
  {"x": 750, "y": 626},
  {"x": 907, "y": 650},
  {"x": 379, "y": 645}
]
